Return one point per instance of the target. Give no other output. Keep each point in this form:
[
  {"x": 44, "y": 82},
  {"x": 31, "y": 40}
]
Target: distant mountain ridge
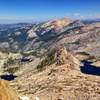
[
  {"x": 90, "y": 21},
  {"x": 24, "y": 37},
  {"x": 53, "y": 59}
]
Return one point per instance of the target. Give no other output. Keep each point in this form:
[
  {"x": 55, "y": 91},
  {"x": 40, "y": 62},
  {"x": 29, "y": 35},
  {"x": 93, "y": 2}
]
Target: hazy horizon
[{"x": 14, "y": 11}]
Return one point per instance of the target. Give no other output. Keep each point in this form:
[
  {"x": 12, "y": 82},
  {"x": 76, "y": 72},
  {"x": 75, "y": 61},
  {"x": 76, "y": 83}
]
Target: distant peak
[{"x": 62, "y": 22}]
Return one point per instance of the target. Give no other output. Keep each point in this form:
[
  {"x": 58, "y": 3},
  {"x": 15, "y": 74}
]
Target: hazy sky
[{"x": 26, "y": 10}]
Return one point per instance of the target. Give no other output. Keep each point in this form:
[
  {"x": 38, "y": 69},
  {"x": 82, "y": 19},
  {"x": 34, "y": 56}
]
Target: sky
[{"x": 29, "y": 10}]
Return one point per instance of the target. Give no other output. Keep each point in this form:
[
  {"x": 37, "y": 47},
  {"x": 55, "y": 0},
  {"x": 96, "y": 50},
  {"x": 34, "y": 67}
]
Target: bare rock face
[
  {"x": 62, "y": 56},
  {"x": 31, "y": 34},
  {"x": 6, "y": 92},
  {"x": 59, "y": 24}
]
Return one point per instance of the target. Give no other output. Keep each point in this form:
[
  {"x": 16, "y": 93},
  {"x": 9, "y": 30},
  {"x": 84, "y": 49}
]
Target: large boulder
[{"x": 6, "y": 92}]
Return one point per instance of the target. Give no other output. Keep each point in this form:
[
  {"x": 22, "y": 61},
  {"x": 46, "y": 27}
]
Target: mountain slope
[
  {"x": 40, "y": 37},
  {"x": 19, "y": 38},
  {"x": 62, "y": 80},
  {"x": 57, "y": 74}
]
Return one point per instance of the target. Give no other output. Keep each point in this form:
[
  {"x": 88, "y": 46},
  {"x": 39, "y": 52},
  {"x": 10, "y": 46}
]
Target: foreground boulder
[{"x": 6, "y": 92}]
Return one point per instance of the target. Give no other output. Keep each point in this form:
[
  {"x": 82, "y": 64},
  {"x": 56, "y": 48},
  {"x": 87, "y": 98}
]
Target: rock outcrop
[
  {"x": 62, "y": 56},
  {"x": 6, "y": 92}
]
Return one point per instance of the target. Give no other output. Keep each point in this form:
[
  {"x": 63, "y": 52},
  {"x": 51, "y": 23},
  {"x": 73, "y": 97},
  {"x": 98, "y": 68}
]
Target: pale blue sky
[{"x": 27, "y": 10}]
